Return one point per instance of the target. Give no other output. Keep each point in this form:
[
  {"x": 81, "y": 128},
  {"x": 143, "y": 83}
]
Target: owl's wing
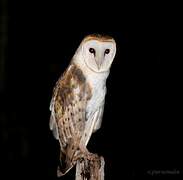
[
  {"x": 53, "y": 126},
  {"x": 99, "y": 117},
  {"x": 68, "y": 109},
  {"x": 92, "y": 124}
]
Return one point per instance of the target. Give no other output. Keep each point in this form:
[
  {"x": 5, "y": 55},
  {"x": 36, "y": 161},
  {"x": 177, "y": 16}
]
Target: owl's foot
[
  {"x": 88, "y": 155},
  {"x": 92, "y": 157},
  {"x": 84, "y": 154}
]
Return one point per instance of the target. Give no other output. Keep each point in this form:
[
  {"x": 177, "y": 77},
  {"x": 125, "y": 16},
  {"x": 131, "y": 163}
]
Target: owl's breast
[
  {"x": 98, "y": 96},
  {"x": 97, "y": 84}
]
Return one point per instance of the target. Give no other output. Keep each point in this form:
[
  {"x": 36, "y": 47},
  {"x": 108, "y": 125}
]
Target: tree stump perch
[{"x": 90, "y": 168}]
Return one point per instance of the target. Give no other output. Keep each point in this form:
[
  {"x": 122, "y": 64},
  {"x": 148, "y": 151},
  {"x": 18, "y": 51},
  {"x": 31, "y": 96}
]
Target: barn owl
[{"x": 77, "y": 103}]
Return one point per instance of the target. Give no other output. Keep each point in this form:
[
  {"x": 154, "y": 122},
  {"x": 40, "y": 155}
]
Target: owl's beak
[
  {"x": 98, "y": 66},
  {"x": 99, "y": 62}
]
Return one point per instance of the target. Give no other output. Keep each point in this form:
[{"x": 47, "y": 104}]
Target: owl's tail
[
  {"x": 68, "y": 158},
  {"x": 62, "y": 171},
  {"x": 64, "y": 165}
]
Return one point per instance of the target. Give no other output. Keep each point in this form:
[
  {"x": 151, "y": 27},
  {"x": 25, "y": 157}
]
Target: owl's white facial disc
[{"x": 98, "y": 55}]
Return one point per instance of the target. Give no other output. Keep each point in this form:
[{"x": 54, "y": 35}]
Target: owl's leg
[
  {"x": 80, "y": 154},
  {"x": 83, "y": 153}
]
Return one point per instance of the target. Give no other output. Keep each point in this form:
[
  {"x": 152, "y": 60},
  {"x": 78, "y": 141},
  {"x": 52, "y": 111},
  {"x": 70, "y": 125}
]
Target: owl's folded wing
[
  {"x": 68, "y": 105},
  {"x": 98, "y": 121},
  {"x": 68, "y": 109}
]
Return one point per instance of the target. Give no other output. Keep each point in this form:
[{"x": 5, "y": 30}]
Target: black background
[{"x": 141, "y": 128}]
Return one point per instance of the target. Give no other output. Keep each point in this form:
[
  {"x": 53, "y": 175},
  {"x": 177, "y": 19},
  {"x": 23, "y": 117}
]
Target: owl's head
[{"x": 97, "y": 52}]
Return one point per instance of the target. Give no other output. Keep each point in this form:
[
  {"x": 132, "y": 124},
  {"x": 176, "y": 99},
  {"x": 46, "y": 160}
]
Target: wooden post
[{"x": 90, "y": 168}]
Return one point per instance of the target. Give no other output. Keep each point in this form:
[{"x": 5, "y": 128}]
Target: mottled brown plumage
[{"x": 68, "y": 114}]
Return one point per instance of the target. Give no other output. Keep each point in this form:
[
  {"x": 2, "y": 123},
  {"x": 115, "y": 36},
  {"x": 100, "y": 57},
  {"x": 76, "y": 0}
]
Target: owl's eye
[
  {"x": 91, "y": 50},
  {"x": 107, "y": 51}
]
